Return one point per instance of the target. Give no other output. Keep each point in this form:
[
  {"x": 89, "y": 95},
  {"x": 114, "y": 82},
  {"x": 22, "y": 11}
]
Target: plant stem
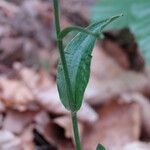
[
  {"x": 61, "y": 51},
  {"x": 68, "y": 84},
  {"x": 76, "y": 131}
]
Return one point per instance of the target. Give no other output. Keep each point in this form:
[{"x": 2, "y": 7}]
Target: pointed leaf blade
[
  {"x": 78, "y": 58},
  {"x": 100, "y": 147}
]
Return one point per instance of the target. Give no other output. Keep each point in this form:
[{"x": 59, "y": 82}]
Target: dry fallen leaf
[
  {"x": 119, "y": 124},
  {"x": 41, "y": 121},
  {"x": 16, "y": 122},
  {"x": 15, "y": 94},
  {"x": 27, "y": 138},
  {"x": 101, "y": 91},
  {"x": 9, "y": 141},
  {"x": 137, "y": 146},
  {"x": 9, "y": 8},
  {"x": 5, "y": 30},
  {"x": 145, "y": 108},
  {"x": 86, "y": 111},
  {"x": 40, "y": 80},
  {"x": 121, "y": 45},
  {"x": 55, "y": 136},
  {"x": 66, "y": 123},
  {"x": 53, "y": 130},
  {"x": 108, "y": 80},
  {"x": 101, "y": 63}
]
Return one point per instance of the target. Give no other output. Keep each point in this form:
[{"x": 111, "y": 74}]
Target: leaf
[
  {"x": 130, "y": 119},
  {"x": 137, "y": 145},
  {"x": 78, "y": 58},
  {"x": 136, "y": 17},
  {"x": 67, "y": 30},
  {"x": 100, "y": 147}
]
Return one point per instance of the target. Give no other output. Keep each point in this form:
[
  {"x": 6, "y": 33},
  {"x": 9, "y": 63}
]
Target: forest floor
[{"x": 117, "y": 100}]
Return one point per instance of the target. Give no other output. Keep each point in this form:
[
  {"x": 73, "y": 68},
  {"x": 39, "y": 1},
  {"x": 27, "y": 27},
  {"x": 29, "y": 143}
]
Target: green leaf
[
  {"x": 78, "y": 58},
  {"x": 136, "y": 17},
  {"x": 67, "y": 30},
  {"x": 100, "y": 147}
]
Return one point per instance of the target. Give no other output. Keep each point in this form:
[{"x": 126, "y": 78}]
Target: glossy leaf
[
  {"x": 78, "y": 58},
  {"x": 100, "y": 147}
]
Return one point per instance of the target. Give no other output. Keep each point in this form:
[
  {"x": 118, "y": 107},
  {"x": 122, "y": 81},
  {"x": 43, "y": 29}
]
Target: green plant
[
  {"x": 74, "y": 65},
  {"x": 136, "y": 17},
  {"x": 100, "y": 147}
]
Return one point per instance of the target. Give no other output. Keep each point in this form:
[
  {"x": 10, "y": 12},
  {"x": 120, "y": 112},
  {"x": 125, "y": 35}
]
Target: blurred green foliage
[{"x": 136, "y": 17}]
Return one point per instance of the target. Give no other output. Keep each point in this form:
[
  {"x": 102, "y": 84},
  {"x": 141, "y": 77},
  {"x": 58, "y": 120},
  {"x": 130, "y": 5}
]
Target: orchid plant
[{"x": 74, "y": 66}]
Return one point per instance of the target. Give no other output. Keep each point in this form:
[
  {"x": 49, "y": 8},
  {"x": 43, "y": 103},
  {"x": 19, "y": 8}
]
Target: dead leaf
[
  {"x": 49, "y": 100},
  {"x": 101, "y": 63},
  {"x": 15, "y": 94},
  {"x": 41, "y": 121},
  {"x": 119, "y": 124},
  {"x": 101, "y": 91},
  {"x": 122, "y": 46},
  {"x": 86, "y": 111},
  {"x": 9, "y": 141},
  {"x": 27, "y": 138},
  {"x": 137, "y": 146},
  {"x": 9, "y": 8},
  {"x": 16, "y": 122},
  {"x": 145, "y": 108},
  {"x": 73, "y": 14},
  {"x": 2, "y": 107},
  {"x": 40, "y": 80},
  {"x": 108, "y": 77},
  {"x": 5, "y": 31},
  {"x": 55, "y": 135},
  {"x": 66, "y": 123}
]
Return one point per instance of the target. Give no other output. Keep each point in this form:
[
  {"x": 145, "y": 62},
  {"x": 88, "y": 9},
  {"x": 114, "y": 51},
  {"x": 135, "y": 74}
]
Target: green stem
[
  {"x": 76, "y": 131},
  {"x": 62, "y": 55}
]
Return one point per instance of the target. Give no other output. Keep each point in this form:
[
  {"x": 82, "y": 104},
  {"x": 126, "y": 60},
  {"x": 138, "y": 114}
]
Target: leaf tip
[{"x": 100, "y": 147}]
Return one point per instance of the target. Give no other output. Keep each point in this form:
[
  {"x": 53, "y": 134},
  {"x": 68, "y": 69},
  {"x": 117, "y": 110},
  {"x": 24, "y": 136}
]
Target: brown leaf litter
[{"x": 116, "y": 108}]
